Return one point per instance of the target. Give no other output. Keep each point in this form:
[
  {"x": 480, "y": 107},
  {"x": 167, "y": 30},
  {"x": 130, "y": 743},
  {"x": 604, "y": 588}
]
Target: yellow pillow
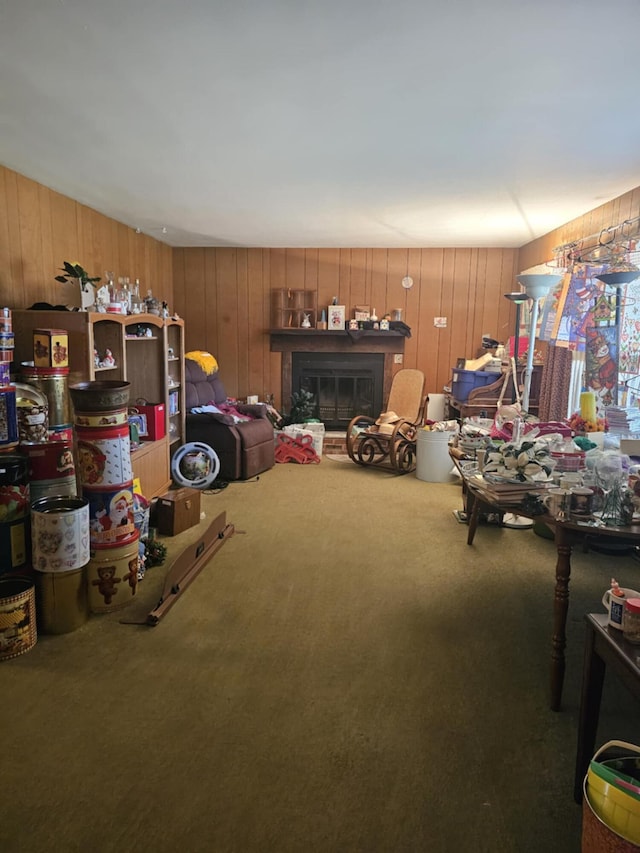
[{"x": 206, "y": 361}]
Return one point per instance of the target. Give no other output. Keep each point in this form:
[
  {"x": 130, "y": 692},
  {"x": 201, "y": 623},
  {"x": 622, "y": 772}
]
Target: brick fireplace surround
[{"x": 288, "y": 341}]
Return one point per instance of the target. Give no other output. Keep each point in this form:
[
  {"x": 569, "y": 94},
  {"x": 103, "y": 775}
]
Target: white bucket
[
  {"x": 433, "y": 462},
  {"x": 435, "y": 407}
]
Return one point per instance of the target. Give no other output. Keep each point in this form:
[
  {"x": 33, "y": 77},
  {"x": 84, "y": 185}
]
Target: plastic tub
[
  {"x": 433, "y": 463},
  {"x": 465, "y": 381}
]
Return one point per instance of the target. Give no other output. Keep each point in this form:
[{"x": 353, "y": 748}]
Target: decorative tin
[
  {"x": 101, "y": 419},
  {"x": 61, "y": 432},
  {"x": 18, "y": 630},
  {"x": 100, "y": 396},
  {"x": 50, "y": 348},
  {"x": 49, "y": 460},
  {"x": 33, "y": 413},
  {"x": 14, "y": 512},
  {"x": 112, "y": 577},
  {"x": 111, "y": 517},
  {"x": 60, "y": 533},
  {"x": 104, "y": 456},
  {"x": 54, "y": 383},
  {"x": 62, "y": 601},
  {"x": 8, "y": 417}
]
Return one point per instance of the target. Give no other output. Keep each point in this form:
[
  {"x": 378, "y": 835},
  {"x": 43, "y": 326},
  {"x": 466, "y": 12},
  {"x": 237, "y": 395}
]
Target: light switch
[{"x": 397, "y": 358}]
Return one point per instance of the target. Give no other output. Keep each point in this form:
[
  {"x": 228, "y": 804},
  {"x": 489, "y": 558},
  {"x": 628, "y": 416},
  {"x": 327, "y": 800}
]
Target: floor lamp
[
  {"x": 518, "y": 298},
  {"x": 535, "y": 287}
]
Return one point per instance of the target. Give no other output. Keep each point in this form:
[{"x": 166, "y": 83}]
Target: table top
[
  {"x": 584, "y": 527},
  {"x": 628, "y": 653}
]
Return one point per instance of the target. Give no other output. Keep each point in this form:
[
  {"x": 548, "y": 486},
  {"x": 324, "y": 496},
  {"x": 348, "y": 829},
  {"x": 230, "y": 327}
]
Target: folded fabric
[{"x": 224, "y": 409}]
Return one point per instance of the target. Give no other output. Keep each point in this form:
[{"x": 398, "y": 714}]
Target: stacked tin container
[
  {"x": 106, "y": 480},
  {"x": 18, "y": 629}
]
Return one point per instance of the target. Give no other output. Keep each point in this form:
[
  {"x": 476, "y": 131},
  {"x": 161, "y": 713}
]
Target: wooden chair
[{"x": 389, "y": 441}]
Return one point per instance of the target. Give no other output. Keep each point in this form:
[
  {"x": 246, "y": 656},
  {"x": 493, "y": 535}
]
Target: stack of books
[
  {"x": 622, "y": 420},
  {"x": 507, "y": 492}
]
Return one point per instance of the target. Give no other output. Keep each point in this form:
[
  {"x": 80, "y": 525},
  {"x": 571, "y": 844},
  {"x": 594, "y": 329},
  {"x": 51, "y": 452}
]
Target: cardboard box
[
  {"x": 177, "y": 511},
  {"x": 50, "y": 348},
  {"x": 156, "y": 423}
]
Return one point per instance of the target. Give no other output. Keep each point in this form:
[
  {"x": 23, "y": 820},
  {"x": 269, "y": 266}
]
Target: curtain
[{"x": 557, "y": 375}]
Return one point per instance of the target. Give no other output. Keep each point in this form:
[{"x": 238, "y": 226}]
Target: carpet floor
[{"x": 346, "y": 674}]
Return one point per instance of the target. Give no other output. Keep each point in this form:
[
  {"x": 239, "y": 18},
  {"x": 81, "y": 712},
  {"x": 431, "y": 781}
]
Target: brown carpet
[{"x": 345, "y": 675}]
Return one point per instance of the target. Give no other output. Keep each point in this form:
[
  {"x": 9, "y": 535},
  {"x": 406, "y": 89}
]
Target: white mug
[
  {"x": 556, "y": 501},
  {"x": 570, "y": 479},
  {"x": 614, "y": 605}
]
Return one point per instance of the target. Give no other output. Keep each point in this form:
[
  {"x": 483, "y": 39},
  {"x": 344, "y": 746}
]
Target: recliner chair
[{"x": 246, "y": 448}]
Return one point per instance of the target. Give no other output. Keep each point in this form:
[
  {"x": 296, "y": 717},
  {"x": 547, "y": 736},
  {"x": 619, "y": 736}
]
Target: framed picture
[
  {"x": 336, "y": 316},
  {"x": 362, "y": 312}
]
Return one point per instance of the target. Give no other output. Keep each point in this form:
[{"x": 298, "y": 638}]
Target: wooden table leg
[
  {"x": 473, "y": 511},
  {"x": 560, "y": 610},
  {"x": 592, "y": 680}
]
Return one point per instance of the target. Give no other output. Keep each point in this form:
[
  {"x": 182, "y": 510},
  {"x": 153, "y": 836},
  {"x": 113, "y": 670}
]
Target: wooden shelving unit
[
  {"x": 288, "y": 308},
  {"x": 145, "y": 361}
]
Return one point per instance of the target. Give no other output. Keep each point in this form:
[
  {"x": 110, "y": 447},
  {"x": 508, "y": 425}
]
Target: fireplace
[
  {"x": 348, "y": 373},
  {"x": 342, "y": 384}
]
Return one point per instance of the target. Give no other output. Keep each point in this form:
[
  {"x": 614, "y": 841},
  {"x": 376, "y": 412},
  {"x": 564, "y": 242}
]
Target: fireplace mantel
[{"x": 288, "y": 341}]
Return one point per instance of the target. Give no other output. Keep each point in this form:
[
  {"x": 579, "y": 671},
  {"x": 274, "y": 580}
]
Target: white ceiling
[{"x": 325, "y": 122}]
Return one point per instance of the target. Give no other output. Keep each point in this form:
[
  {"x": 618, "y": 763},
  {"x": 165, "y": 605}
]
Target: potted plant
[{"x": 87, "y": 283}]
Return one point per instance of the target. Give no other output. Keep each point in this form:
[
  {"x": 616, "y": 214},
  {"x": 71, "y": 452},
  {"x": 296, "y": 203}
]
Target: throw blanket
[
  {"x": 223, "y": 409},
  {"x": 206, "y": 361}
]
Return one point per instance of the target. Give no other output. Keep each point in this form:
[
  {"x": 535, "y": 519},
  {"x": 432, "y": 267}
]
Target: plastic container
[
  {"x": 617, "y": 809},
  {"x": 433, "y": 463},
  {"x": 631, "y": 620},
  {"x": 465, "y": 381}
]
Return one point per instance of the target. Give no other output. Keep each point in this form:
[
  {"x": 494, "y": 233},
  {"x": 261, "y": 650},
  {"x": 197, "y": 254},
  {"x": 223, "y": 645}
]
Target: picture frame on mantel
[{"x": 336, "y": 315}]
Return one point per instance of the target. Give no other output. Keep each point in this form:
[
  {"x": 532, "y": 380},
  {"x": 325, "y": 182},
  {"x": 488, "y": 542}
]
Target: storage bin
[{"x": 465, "y": 381}]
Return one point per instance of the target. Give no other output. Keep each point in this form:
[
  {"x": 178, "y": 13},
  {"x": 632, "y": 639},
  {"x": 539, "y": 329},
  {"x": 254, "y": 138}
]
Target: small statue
[
  {"x": 306, "y": 321},
  {"x": 108, "y": 360},
  {"x": 96, "y": 358}
]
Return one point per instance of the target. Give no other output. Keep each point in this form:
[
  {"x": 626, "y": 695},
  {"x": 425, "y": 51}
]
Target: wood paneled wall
[
  {"x": 612, "y": 213},
  {"x": 225, "y": 294},
  {"x": 39, "y": 229}
]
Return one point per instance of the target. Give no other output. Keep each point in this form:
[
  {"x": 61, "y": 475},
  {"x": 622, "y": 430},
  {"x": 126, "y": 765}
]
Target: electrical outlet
[{"x": 397, "y": 358}]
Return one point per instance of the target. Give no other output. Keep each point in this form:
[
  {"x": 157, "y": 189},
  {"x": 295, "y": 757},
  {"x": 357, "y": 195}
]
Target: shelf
[
  {"x": 102, "y": 369},
  {"x": 140, "y": 338},
  {"x": 173, "y": 359}
]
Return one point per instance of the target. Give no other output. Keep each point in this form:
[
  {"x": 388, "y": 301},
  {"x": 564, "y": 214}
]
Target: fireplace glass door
[{"x": 342, "y": 385}]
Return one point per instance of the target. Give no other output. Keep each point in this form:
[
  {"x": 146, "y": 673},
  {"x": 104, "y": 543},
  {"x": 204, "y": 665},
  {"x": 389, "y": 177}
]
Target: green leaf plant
[{"x": 75, "y": 271}]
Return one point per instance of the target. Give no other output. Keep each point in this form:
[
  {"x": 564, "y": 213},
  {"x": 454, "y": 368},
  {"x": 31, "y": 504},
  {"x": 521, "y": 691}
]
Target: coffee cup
[
  {"x": 614, "y": 605},
  {"x": 570, "y": 479},
  {"x": 556, "y": 501},
  {"x": 580, "y": 502}
]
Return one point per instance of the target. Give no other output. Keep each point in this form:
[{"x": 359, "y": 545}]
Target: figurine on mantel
[{"x": 306, "y": 321}]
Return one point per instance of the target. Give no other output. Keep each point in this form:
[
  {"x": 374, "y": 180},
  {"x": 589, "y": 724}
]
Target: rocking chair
[{"x": 390, "y": 441}]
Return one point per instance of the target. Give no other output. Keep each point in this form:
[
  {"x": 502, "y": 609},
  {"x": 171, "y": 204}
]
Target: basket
[
  {"x": 569, "y": 461},
  {"x": 610, "y": 813}
]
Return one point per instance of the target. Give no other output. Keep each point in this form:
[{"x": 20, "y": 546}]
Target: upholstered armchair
[{"x": 245, "y": 447}]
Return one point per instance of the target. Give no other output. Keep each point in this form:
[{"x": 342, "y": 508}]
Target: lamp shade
[
  {"x": 517, "y": 296},
  {"x": 538, "y": 285},
  {"x": 615, "y": 279}
]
